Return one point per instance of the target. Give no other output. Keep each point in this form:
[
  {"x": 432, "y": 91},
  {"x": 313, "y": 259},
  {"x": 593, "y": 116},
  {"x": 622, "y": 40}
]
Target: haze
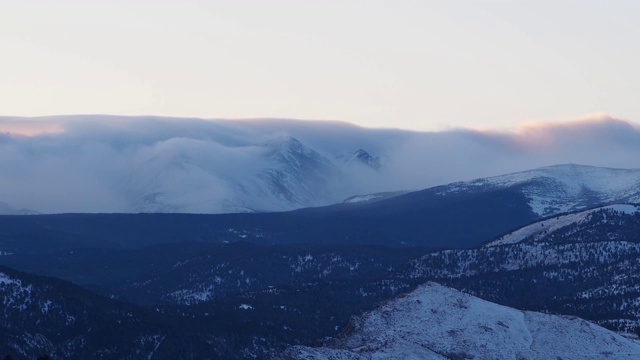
[
  {"x": 108, "y": 163},
  {"x": 405, "y": 64}
]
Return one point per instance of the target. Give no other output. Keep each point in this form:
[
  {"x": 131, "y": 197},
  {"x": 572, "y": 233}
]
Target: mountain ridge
[
  {"x": 106, "y": 164},
  {"x": 583, "y": 264},
  {"x": 564, "y": 187},
  {"x": 437, "y": 322},
  {"x": 425, "y": 218}
]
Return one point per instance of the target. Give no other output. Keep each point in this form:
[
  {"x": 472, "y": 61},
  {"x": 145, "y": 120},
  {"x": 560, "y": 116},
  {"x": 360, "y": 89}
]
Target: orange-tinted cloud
[
  {"x": 548, "y": 135},
  {"x": 106, "y": 163},
  {"x": 30, "y": 127}
]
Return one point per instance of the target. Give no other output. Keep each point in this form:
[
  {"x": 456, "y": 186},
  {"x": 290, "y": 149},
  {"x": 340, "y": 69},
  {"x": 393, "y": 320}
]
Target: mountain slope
[
  {"x": 191, "y": 273},
  {"x": 282, "y": 174},
  {"x": 432, "y": 217},
  {"x": 48, "y": 316},
  {"x": 431, "y": 222},
  {"x": 486, "y": 207},
  {"x": 585, "y": 264},
  {"x": 42, "y": 315},
  {"x": 562, "y": 188},
  {"x": 362, "y": 157},
  {"x": 436, "y": 322},
  {"x": 459, "y": 215},
  {"x": 299, "y": 176}
]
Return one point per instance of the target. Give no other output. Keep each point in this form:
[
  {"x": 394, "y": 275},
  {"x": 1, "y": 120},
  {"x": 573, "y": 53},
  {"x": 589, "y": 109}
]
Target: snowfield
[
  {"x": 437, "y": 322},
  {"x": 562, "y": 188}
]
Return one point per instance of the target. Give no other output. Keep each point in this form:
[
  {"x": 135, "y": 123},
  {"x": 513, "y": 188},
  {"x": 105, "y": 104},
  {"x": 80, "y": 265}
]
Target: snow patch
[{"x": 361, "y": 198}]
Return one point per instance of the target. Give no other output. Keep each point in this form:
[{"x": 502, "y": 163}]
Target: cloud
[
  {"x": 117, "y": 164},
  {"x": 466, "y": 154}
]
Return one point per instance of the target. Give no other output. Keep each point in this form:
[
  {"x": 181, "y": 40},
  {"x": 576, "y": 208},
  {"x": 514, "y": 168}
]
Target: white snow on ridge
[
  {"x": 361, "y": 198},
  {"x": 192, "y": 296},
  {"x": 436, "y": 322},
  {"x": 568, "y": 184},
  {"x": 13, "y": 293},
  {"x": 562, "y": 188},
  {"x": 5, "y": 279},
  {"x": 576, "y": 176},
  {"x": 541, "y": 228}
]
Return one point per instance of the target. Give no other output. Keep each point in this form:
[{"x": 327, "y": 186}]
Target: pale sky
[{"x": 411, "y": 64}]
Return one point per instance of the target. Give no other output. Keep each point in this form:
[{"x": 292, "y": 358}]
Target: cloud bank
[{"x": 122, "y": 164}]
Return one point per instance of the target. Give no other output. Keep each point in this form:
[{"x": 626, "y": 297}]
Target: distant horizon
[
  {"x": 421, "y": 65},
  {"x": 514, "y": 127}
]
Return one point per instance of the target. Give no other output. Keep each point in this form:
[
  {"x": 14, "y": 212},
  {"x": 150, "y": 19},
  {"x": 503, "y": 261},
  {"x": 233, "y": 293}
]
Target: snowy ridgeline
[
  {"x": 436, "y": 322},
  {"x": 561, "y": 188},
  {"x": 585, "y": 264},
  {"x": 593, "y": 239},
  {"x": 539, "y": 229},
  {"x": 280, "y": 174}
]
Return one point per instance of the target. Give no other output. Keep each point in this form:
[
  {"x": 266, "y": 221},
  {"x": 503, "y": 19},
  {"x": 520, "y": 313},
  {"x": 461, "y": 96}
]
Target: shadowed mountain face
[
  {"x": 284, "y": 174},
  {"x": 584, "y": 264},
  {"x": 299, "y": 175},
  {"x": 456, "y": 215},
  {"x": 362, "y": 157},
  {"x": 192, "y": 273},
  {"x": 250, "y": 285},
  {"x": 49, "y": 316},
  {"x": 201, "y": 301},
  {"x": 428, "y": 220}
]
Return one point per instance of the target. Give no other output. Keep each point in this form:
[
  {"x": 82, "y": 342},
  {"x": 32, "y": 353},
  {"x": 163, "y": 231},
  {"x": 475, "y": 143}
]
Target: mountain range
[
  {"x": 426, "y": 218},
  {"x": 559, "y": 240},
  {"x": 287, "y": 175},
  {"x": 120, "y": 164}
]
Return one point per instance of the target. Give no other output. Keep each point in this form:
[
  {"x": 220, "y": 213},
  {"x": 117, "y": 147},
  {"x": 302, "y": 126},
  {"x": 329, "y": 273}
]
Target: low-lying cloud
[{"x": 116, "y": 164}]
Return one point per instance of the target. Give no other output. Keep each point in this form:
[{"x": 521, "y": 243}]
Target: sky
[{"x": 420, "y": 65}]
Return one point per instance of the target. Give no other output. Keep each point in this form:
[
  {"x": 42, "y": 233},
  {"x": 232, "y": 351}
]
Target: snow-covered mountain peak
[
  {"x": 288, "y": 145},
  {"x": 298, "y": 176},
  {"x": 437, "y": 322},
  {"x": 281, "y": 174},
  {"x": 562, "y": 188},
  {"x": 290, "y": 152},
  {"x": 362, "y": 157},
  {"x": 575, "y": 177}
]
